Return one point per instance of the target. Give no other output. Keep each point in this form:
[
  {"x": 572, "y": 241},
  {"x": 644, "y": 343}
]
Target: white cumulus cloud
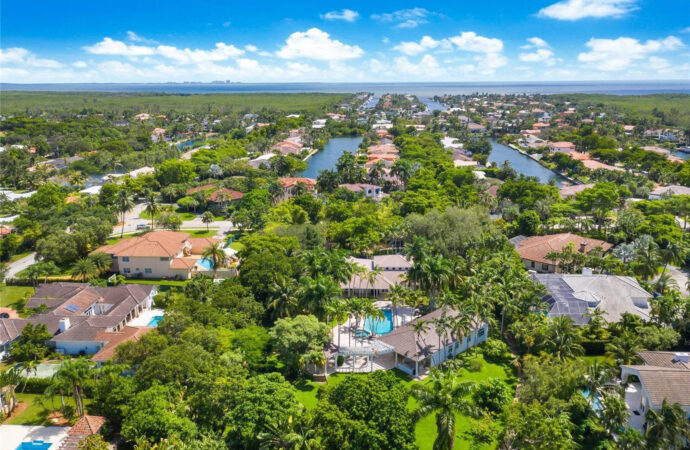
[
  {"x": 188, "y": 56},
  {"x": 541, "y": 53},
  {"x": 618, "y": 54},
  {"x": 405, "y": 18},
  {"x": 472, "y": 42},
  {"x": 347, "y": 15},
  {"x": 581, "y": 9},
  {"x": 317, "y": 44},
  {"x": 425, "y": 44},
  {"x": 112, "y": 47},
  {"x": 22, "y": 56},
  {"x": 132, "y": 36}
]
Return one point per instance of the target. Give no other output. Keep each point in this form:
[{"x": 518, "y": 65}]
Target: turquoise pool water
[
  {"x": 35, "y": 445},
  {"x": 205, "y": 263},
  {"x": 154, "y": 321},
  {"x": 596, "y": 401},
  {"x": 380, "y": 326}
]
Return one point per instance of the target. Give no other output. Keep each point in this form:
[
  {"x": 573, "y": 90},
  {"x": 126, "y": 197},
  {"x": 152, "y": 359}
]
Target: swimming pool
[
  {"x": 205, "y": 263},
  {"x": 154, "y": 321},
  {"x": 34, "y": 445},
  {"x": 380, "y": 326},
  {"x": 596, "y": 401}
]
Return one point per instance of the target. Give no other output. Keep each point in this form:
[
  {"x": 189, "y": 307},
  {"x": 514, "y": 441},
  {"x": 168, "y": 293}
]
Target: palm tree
[
  {"x": 624, "y": 348},
  {"x": 446, "y": 395},
  {"x": 207, "y": 218},
  {"x": 647, "y": 260},
  {"x": 152, "y": 206},
  {"x": 216, "y": 254},
  {"x": 667, "y": 427},
  {"x": 289, "y": 435},
  {"x": 84, "y": 269},
  {"x": 317, "y": 294},
  {"x": 284, "y": 295},
  {"x": 665, "y": 283},
  {"x": 339, "y": 311},
  {"x": 674, "y": 253},
  {"x": 102, "y": 261},
  {"x": 10, "y": 379},
  {"x": 419, "y": 327},
  {"x": 123, "y": 204},
  {"x": 396, "y": 295},
  {"x": 29, "y": 367},
  {"x": 595, "y": 379},
  {"x": 564, "y": 338},
  {"x": 614, "y": 414},
  {"x": 76, "y": 372}
]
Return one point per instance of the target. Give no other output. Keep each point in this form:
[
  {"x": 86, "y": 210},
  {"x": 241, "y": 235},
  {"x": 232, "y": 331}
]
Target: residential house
[
  {"x": 287, "y": 148},
  {"x": 533, "y": 250},
  {"x": 662, "y": 376},
  {"x": 476, "y": 128},
  {"x": 416, "y": 353},
  {"x": 393, "y": 269},
  {"x": 161, "y": 254},
  {"x": 82, "y": 318},
  {"x": 292, "y": 186},
  {"x": 668, "y": 191},
  {"x": 572, "y": 190},
  {"x": 216, "y": 195},
  {"x": 561, "y": 147},
  {"x": 369, "y": 190},
  {"x": 319, "y": 123},
  {"x": 575, "y": 296}
]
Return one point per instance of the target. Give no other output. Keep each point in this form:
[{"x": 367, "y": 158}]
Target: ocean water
[{"x": 419, "y": 89}]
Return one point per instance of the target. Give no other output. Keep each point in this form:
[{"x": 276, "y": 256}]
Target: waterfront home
[
  {"x": 561, "y": 147},
  {"x": 80, "y": 316},
  {"x": 319, "y": 123},
  {"x": 161, "y": 254},
  {"x": 668, "y": 191},
  {"x": 368, "y": 190},
  {"x": 575, "y": 296},
  {"x": 594, "y": 165},
  {"x": 382, "y": 149},
  {"x": 663, "y": 376},
  {"x": 533, "y": 250},
  {"x": 476, "y": 128},
  {"x": 293, "y": 185},
  {"x": 216, "y": 195},
  {"x": 287, "y": 148},
  {"x": 262, "y": 161}
]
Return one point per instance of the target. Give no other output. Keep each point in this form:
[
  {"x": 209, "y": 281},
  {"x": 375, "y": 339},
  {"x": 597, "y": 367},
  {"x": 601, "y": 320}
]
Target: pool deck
[
  {"x": 145, "y": 317},
  {"x": 11, "y": 436},
  {"x": 404, "y": 315}
]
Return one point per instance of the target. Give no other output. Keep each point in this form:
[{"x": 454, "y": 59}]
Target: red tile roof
[
  {"x": 536, "y": 248},
  {"x": 87, "y": 425}
]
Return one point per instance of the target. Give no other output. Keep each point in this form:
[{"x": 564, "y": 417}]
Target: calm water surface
[
  {"x": 326, "y": 158},
  {"x": 522, "y": 163}
]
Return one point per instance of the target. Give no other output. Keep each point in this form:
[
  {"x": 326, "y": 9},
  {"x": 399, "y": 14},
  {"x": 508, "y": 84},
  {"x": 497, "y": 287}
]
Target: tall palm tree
[
  {"x": 338, "y": 310},
  {"x": 595, "y": 378},
  {"x": 317, "y": 294},
  {"x": 10, "y": 379},
  {"x": 614, "y": 414},
  {"x": 446, "y": 395},
  {"x": 76, "y": 372},
  {"x": 101, "y": 260},
  {"x": 84, "y": 269},
  {"x": 674, "y": 253},
  {"x": 216, "y": 254},
  {"x": 207, "y": 218},
  {"x": 564, "y": 338},
  {"x": 123, "y": 205},
  {"x": 396, "y": 295},
  {"x": 419, "y": 327},
  {"x": 284, "y": 297},
  {"x": 647, "y": 260},
  {"x": 29, "y": 367},
  {"x": 152, "y": 205},
  {"x": 667, "y": 427},
  {"x": 624, "y": 348}
]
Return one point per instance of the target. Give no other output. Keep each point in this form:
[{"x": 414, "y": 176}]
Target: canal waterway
[
  {"x": 326, "y": 158},
  {"x": 522, "y": 163}
]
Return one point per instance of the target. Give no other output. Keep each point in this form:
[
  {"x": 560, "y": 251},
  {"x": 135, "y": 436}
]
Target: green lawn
[
  {"x": 39, "y": 408},
  {"x": 201, "y": 232},
  {"x": 10, "y": 294},
  {"x": 156, "y": 281},
  {"x": 426, "y": 428},
  {"x": 601, "y": 359}
]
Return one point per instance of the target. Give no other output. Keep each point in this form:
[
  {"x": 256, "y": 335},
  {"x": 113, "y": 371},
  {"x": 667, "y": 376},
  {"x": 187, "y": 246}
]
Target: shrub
[
  {"x": 495, "y": 350},
  {"x": 35, "y": 385},
  {"x": 492, "y": 395},
  {"x": 475, "y": 365}
]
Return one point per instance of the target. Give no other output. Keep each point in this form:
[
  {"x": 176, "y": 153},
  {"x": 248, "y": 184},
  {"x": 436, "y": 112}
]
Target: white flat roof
[{"x": 12, "y": 436}]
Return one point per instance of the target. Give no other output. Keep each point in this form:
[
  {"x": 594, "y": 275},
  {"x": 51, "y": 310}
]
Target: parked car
[{"x": 143, "y": 226}]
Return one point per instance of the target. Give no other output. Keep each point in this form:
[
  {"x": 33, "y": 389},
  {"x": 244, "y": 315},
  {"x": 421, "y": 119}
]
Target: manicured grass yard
[
  {"x": 39, "y": 408},
  {"x": 10, "y": 294},
  {"x": 426, "y": 428},
  {"x": 202, "y": 232}
]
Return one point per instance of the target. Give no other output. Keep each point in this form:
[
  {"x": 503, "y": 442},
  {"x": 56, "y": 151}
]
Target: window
[
  {"x": 544, "y": 267},
  {"x": 147, "y": 270},
  {"x": 125, "y": 259},
  {"x": 164, "y": 259},
  {"x": 532, "y": 264},
  {"x": 126, "y": 270},
  {"x": 481, "y": 332}
]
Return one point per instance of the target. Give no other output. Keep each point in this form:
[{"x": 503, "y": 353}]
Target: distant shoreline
[{"x": 423, "y": 89}]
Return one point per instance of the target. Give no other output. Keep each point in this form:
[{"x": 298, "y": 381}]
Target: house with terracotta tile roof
[
  {"x": 290, "y": 185},
  {"x": 570, "y": 191},
  {"x": 287, "y": 148},
  {"x": 533, "y": 250},
  {"x": 561, "y": 147},
  {"x": 217, "y": 195},
  {"x": 368, "y": 190},
  {"x": 159, "y": 254}
]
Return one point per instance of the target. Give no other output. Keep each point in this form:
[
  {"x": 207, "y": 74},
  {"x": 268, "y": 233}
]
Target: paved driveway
[{"x": 20, "y": 264}]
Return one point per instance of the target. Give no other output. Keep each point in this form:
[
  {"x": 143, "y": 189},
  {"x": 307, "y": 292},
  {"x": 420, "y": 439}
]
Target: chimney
[
  {"x": 586, "y": 271},
  {"x": 583, "y": 246},
  {"x": 64, "y": 325}
]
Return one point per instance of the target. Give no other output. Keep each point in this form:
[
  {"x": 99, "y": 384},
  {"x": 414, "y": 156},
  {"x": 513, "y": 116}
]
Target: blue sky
[{"x": 271, "y": 41}]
